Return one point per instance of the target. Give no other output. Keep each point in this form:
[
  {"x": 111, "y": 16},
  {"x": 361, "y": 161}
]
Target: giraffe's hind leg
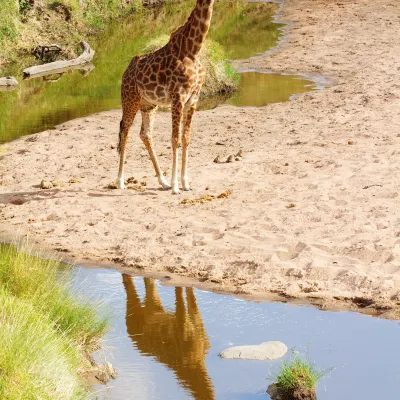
[
  {"x": 129, "y": 110},
  {"x": 187, "y": 127},
  {"x": 177, "y": 112},
  {"x": 148, "y": 115}
]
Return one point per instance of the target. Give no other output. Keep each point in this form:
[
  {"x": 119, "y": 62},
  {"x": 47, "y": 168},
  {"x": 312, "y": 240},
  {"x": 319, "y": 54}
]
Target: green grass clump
[
  {"x": 221, "y": 77},
  {"x": 46, "y": 329},
  {"x": 297, "y": 373},
  {"x": 9, "y": 19}
]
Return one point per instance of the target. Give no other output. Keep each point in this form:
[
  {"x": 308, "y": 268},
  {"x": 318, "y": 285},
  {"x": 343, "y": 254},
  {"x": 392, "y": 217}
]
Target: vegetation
[
  {"x": 26, "y": 23},
  {"x": 47, "y": 331},
  {"x": 298, "y": 374},
  {"x": 221, "y": 77}
]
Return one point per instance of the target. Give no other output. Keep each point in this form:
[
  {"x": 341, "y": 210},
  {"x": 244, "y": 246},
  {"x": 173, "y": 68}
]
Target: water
[
  {"x": 244, "y": 29},
  {"x": 165, "y": 342}
]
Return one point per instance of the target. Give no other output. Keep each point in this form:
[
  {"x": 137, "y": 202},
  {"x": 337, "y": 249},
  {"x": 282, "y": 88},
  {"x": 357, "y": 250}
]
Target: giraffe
[{"x": 170, "y": 75}]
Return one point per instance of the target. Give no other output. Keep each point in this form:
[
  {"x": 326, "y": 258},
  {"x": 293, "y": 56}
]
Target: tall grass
[
  {"x": 46, "y": 329},
  {"x": 9, "y": 22}
]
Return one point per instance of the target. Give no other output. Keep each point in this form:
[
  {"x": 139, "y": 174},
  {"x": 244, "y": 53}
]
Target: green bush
[{"x": 297, "y": 373}]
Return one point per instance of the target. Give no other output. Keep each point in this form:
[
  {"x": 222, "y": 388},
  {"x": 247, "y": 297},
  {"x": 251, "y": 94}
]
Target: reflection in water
[
  {"x": 176, "y": 339},
  {"x": 159, "y": 353}
]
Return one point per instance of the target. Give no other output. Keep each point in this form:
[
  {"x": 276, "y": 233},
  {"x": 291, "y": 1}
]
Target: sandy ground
[{"x": 314, "y": 211}]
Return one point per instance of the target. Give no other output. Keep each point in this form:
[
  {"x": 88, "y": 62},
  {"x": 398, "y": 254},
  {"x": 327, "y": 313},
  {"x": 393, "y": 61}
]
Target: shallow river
[
  {"x": 165, "y": 342},
  {"x": 244, "y": 29}
]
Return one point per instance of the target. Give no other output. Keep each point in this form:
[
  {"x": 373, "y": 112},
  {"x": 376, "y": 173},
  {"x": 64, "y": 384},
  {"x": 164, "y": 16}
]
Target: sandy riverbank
[{"x": 314, "y": 210}]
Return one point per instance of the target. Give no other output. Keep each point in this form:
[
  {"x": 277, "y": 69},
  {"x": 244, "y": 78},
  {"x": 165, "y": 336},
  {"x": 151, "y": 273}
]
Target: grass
[
  {"x": 298, "y": 373},
  {"x": 221, "y": 77},
  {"x": 47, "y": 330},
  {"x": 24, "y": 25}
]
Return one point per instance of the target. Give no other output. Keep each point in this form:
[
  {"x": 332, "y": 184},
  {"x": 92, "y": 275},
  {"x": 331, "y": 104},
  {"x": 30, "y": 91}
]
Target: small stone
[
  {"x": 56, "y": 183},
  {"x": 105, "y": 372},
  {"x": 6, "y": 180},
  {"x": 239, "y": 154},
  {"x": 238, "y": 158},
  {"x": 45, "y": 185},
  {"x": 263, "y": 351},
  {"x": 230, "y": 159},
  {"x": 216, "y": 160},
  {"x": 225, "y": 195}
]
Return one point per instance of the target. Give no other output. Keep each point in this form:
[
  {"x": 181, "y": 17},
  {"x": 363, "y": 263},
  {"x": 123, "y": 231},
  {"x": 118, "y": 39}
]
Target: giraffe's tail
[{"x": 121, "y": 129}]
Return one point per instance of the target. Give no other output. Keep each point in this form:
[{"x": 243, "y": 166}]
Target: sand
[{"x": 314, "y": 209}]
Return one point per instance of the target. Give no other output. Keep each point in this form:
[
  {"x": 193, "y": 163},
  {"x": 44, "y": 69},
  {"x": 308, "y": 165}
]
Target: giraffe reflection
[{"x": 176, "y": 339}]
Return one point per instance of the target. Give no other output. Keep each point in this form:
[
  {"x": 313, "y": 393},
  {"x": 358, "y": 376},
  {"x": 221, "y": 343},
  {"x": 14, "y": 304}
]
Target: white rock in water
[{"x": 263, "y": 351}]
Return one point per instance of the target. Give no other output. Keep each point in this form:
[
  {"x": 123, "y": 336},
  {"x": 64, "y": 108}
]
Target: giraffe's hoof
[
  {"x": 163, "y": 182},
  {"x": 185, "y": 184},
  {"x": 176, "y": 190},
  {"x": 121, "y": 185}
]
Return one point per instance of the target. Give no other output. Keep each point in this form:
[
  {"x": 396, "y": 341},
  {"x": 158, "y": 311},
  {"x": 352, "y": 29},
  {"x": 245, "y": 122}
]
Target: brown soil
[
  {"x": 298, "y": 394},
  {"x": 313, "y": 213}
]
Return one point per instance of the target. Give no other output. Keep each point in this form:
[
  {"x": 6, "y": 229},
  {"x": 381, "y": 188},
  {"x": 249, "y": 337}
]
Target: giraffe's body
[{"x": 170, "y": 75}]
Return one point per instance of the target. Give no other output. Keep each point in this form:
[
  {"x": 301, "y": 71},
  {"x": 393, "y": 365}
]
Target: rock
[
  {"x": 298, "y": 394},
  {"x": 263, "y": 351},
  {"x": 8, "y": 81},
  {"x": 239, "y": 154},
  {"x": 105, "y": 372},
  {"x": 57, "y": 183},
  {"x": 45, "y": 185},
  {"x": 6, "y": 180},
  {"x": 217, "y": 160},
  {"x": 230, "y": 159}
]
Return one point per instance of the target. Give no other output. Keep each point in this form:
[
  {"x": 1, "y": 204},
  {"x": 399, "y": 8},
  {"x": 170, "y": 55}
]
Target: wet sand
[{"x": 313, "y": 213}]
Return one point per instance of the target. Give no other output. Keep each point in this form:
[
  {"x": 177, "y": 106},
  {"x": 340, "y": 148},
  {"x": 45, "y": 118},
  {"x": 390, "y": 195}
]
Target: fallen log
[
  {"x": 8, "y": 83},
  {"x": 61, "y": 66}
]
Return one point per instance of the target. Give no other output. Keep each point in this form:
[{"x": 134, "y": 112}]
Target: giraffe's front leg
[
  {"x": 187, "y": 124},
  {"x": 177, "y": 108}
]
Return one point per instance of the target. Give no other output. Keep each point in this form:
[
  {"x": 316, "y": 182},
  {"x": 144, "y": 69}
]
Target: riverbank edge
[{"x": 170, "y": 279}]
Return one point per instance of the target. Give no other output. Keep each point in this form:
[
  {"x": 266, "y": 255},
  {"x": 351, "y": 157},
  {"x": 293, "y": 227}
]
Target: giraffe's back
[{"x": 160, "y": 76}]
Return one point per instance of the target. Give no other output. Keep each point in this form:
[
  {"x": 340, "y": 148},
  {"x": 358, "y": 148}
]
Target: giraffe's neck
[{"x": 191, "y": 36}]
